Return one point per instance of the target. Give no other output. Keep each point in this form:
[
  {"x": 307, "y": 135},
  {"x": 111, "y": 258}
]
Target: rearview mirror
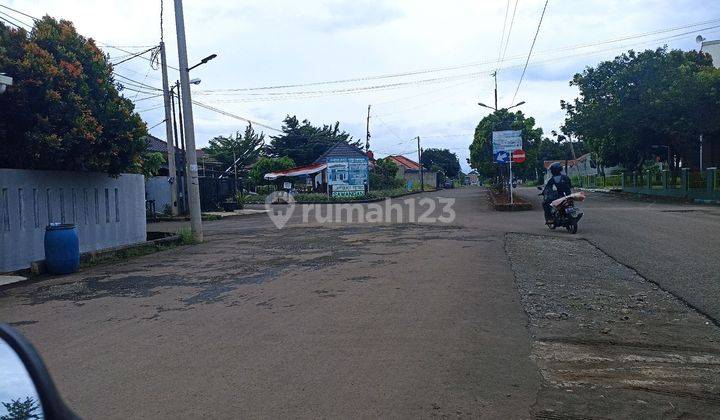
[{"x": 26, "y": 389}]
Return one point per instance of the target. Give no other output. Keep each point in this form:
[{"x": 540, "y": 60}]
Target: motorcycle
[{"x": 564, "y": 212}]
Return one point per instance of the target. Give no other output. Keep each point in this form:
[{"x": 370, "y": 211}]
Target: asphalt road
[
  {"x": 674, "y": 245},
  {"x": 335, "y": 320}
]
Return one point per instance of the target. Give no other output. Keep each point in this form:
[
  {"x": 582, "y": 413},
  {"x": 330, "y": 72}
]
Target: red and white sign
[{"x": 518, "y": 156}]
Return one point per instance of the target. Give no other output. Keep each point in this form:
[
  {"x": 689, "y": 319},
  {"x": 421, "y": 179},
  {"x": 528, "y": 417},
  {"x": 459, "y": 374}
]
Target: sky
[{"x": 435, "y": 58}]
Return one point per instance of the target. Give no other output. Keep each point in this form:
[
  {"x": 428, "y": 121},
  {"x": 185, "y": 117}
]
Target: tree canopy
[
  {"x": 481, "y": 156},
  {"x": 443, "y": 158},
  {"x": 244, "y": 147},
  {"x": 637, "y": 100},
  {"x": 63, "y": 110},
  {"x": 303, "y": 142},
  {"x": 268, "y": 164}
]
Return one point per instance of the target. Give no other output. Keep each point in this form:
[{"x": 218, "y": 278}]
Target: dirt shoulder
[{"x": 609, "y": 343}]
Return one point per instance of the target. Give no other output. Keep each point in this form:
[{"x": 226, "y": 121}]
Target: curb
[{"x": 38, "y": 268}]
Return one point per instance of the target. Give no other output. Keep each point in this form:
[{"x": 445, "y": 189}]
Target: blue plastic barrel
[{"x": 62, "y": 248}]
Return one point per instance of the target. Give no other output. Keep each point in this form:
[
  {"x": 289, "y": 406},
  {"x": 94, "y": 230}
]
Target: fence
[
  {"x": 108, "y": 212},
  {"x": 703, "y": 185}
]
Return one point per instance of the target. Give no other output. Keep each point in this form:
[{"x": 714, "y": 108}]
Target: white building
[{"x": 712, "y": 48}]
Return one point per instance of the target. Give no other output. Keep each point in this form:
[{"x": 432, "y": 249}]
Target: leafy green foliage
[
  {"x": 443, "y": 158},
  {"x": 481, "y": 157},
  {"x": 22, "y": 410},
  {"x": 265, "y": 165},
  {"x": 637, "y": 100},
  {"x": 303, "y": 143},
  {"x": 149, "y": 164},
  {"x": 246, "y": 148},
  {"x": 63, "y": 110},
  {"x": 383, "y": 175}
]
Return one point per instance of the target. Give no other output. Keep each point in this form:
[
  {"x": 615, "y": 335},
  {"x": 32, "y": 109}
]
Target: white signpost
[{"x": 507, "y": 141}]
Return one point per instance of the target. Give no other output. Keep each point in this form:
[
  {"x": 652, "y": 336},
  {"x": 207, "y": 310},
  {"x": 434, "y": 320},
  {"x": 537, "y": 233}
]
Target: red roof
[
  {"x": 298, "y": 171},
  {"x": 405, "y": 162},
  {"x": 570, "y": 162}
]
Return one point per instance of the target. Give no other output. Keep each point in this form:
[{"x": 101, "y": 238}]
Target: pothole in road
[{"x": 607, "y": 342}]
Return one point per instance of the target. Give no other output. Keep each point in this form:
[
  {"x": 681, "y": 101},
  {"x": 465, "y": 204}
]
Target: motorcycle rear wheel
[{"x": 572, "y": 228}]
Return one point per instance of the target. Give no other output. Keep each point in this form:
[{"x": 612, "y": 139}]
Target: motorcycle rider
[{"x": 562, "y": 185}]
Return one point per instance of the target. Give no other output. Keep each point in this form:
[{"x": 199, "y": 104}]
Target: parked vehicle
[{"x": 564, "y": 212}]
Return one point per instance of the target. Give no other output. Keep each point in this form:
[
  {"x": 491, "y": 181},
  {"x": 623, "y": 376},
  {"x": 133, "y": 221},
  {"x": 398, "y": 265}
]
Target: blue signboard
[
  {"x": 347, "y": 175},
  {"x": 502, "y": 157}
]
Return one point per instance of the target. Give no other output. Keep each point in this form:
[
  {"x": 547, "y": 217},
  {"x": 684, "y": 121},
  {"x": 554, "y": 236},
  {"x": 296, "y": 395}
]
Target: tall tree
[
  {"x": 63, "y": 110},
  {"x": 246, "y": 148},
  {"x": 303, "y": 142},
  {"x": 443, "y": 158},
  {"x": 637, "y": 100},
  {"x": 267, "y": 164},
  {"x": 481, "y": 157}
]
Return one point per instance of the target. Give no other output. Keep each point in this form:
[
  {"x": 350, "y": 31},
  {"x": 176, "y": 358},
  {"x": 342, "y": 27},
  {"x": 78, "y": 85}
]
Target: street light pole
[
  {"x": 194, "y": 188},
  {"x": 172, "y": 173}
]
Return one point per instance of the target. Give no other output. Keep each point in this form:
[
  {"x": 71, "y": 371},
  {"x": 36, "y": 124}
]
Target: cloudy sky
[{"x": 423, "y": 65}]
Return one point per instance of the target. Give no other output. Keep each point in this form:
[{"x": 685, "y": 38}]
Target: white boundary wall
[{"x": 107, "y": 211}]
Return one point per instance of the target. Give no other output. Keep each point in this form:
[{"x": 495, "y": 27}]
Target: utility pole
[
  {"x": 194, "y": 187},
  {"x": 422, "y": 180},
  {"x": 494, "y": 74},
  {"x": 367, "y": 131},
  {"x": 701, "y": 152},
  {"x": 172, "y": 173},
  {"x": 235, "y": 168}
]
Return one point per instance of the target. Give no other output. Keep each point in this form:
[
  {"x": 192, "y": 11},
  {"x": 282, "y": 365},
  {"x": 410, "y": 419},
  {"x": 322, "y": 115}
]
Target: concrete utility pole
[
  {"x": 495, "y": 76},
  {"x": 367, "y": 131},
  {"x": 422, "y": 180},
  {"x": 172, "y": 173},
  {"x": 194, "y": 187},
  {"x": 701, "y": 152}
]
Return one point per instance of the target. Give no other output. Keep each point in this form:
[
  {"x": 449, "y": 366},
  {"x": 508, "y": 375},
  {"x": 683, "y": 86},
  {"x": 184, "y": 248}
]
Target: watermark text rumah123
[{"x": 281, "y": 207}]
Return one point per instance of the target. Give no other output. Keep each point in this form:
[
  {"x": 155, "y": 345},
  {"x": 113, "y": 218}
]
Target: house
[
  {"x": 403, "y": 162},
  {"x": 582, "y": 166},
  {"x": 342, "y": 171},
  {"x": 473, "y": 178},
  {"x": 409, "y": 171}
]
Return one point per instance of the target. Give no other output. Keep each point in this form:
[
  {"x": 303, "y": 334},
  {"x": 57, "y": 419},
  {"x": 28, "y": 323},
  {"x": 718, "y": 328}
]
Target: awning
[{"x": 299, "y": 171}]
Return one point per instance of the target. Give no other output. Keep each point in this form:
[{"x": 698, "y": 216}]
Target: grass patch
[
  {"x": 186, "y": 237},
  {"x": 125, "y": 254}
]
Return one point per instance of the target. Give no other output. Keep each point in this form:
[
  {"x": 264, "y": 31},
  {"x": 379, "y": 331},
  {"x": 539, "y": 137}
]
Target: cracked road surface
[{"x": 352, "y": 321}]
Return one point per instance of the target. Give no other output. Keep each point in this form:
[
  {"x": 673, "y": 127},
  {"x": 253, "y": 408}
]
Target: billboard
[
  {"x": 347, "y": 175},
  {"x": 506, "y": 141}
]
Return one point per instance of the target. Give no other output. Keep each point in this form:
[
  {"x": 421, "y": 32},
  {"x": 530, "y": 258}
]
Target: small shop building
[{"x": 342, "y": 171}]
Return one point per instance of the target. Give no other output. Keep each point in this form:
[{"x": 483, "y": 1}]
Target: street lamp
[
  {"x": 203, "y": 61},
  {"x": 497, "y": 109}
]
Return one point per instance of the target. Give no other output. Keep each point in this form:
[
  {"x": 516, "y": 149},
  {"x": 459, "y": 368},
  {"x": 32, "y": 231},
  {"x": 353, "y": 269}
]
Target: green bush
[
  {"x": 311, "y": 197},
  {"x": 254, "y": 199},
  {"x": 265, "y": 189}
]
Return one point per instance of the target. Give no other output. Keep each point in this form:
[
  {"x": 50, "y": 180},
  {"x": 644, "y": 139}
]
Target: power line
[
  {"x": 17, "y": 11},
  {"x": 9, "y": 23},
  {"x": 502, "y": 36},
  {"x": 466, "y": 65},
  {"x": 134, "y": 55},
  {"x": 14, "y": 19},
  {"x": 229, "y": 114},
  {"x": 150, "y": 128},
  {"x": 507, "y": 41},
  {"x": 152, "y": 108},
  {"x": 522, "y": 76}
]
